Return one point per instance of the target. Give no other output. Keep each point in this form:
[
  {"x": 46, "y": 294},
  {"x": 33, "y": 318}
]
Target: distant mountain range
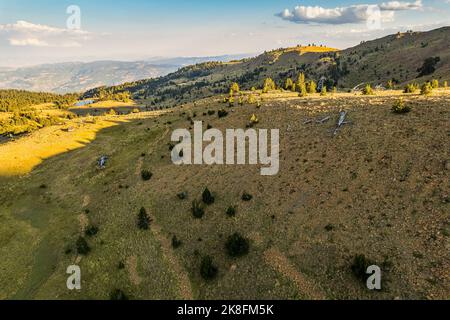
[{"x": 79, "y": 76}]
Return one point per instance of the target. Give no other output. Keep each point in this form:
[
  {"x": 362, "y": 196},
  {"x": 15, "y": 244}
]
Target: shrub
[
  {"x": 143, "y": 219},
  {"x": 445, "y": 84},
  {"x": 175, "y": 242},
  {"x": 390, "y": 85},
  {"x": 400, "y": 107},
  {"x": 231, "y": 211},
  {"x": 183, "y": 195},
  {"x": 360, "y": 265},
  {"x": 82, "y": 246},
  {"x": 268, "y": 85},
  {"x": 435, "y": 84},
  {"x": 211, "y": 112},
  {"x": 323, "y": 92},
  {"x": 222, "y": 113},
  {"x": 237, "y": 245},
  {"x": 197, "y": 211},
  {"x": 246, "y": 196},
  {"x": 118, "y": 294},
  {"x": 208, "y": 270},
  {"x": 251, "y": 99},
  {"x": 410, "y": 88},
  {"x": 311, "y": 87},
  {"x": 367, "y": 91},
  {"x": 146, "y": 175},
  {"x": 426, "y": 89},
  {"x": 302, "y": 90},
  {"x": 234, "y": 87},
  {"x": 91, "y": 231},
  {"x": 207, "y": 197}
]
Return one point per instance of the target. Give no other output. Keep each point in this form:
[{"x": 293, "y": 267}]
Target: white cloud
[
  {"x": 343, "y": 15},
  {"x": 28, "y": 42},
  {"x": 23, "y": 33},
  {"x": 401, "y": 5}
]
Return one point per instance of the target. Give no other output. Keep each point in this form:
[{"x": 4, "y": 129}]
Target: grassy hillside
[
  {"x": 396, "y": 57},
  {"x": 379, "y": 188}
]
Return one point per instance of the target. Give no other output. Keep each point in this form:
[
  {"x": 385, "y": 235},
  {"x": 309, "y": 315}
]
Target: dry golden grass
[{"x": 21, "y": 156}]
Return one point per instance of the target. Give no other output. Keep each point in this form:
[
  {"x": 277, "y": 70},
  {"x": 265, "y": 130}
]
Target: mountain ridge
[{"x": 396, "y": 58}]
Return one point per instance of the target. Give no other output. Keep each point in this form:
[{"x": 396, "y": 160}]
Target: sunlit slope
[{"x": 378, "y": 188}]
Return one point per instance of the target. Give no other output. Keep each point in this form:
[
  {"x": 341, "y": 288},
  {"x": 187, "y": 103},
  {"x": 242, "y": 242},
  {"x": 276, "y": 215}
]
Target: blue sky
[{"x": 35, "y": 31}]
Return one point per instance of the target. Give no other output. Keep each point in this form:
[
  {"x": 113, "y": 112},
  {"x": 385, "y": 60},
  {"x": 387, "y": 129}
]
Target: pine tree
[
  {"x": 390, "y": 85},
  {"x": 312, "y": 87},
  {"x": 234, "y": 87},
  {"x": 300, "y": 81},
  {"x": 143, "y": 219},
  {"x": 367, "y": 90},
  {"x": 426, "y": 89},
  {"x": 435, "y": 83},
  {"x": 269, "y": 84},
  {"x": 207, "y": 197},
  {"x": 289, "y": 84}
]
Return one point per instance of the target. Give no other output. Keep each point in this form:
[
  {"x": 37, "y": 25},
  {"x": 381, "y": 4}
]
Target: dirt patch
[
  {"x": 84, "y": 222},
  {"x": 86, "y": 201},
  {"x": 280, "y": 263},
  {"x": 182, "y": 277},
  {"x": 131, "y": 264}
]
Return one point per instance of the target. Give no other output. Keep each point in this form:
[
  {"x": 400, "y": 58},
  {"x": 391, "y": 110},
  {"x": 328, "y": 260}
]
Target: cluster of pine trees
[
  {"x": 19, "y": 100},
  {"x": 28, "y": 121},
  {"x": 104, "y": 94}
]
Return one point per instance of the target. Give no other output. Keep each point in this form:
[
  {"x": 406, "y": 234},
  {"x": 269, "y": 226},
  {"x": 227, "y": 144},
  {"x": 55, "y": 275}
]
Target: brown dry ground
[{"x": 381, "y": 186}]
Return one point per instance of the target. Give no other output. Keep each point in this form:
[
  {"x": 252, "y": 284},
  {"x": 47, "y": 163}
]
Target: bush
[
  {"x": 197, "y": 211},
  {"x": 323, "y": 92},
  {"x": 208, "y": 270},
  {"x": 175, "y": 242},
  {"x": 400, "y": 107},
  {"x": 426, "y": 89},
  {"x": 367, "y": 91},
  {"x": 118, "y": 294},
  {"x": 143, "y": 219},
  {"x": 183, "y": 195},
  {"x": 231, "y": 211},
  {"x": 311, "y": 87},
  {"x": 359, "y": 267},
  {"x": 207, "y": 197},
  {"x": 82, "y": 246},
  {"x": 435, "y": 84},
  {"x": 246, "y": 196},
  {"x": 222, "y": 113},
  {"x": 146, "y": 175},
  {"x": 91, "y": 231},
  {"x": 410, "y": 88},
  {"x": 237, "y": 246}
]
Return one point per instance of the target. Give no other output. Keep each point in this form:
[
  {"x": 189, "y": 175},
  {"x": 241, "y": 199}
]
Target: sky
[{"x": 49, "y": 31}]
